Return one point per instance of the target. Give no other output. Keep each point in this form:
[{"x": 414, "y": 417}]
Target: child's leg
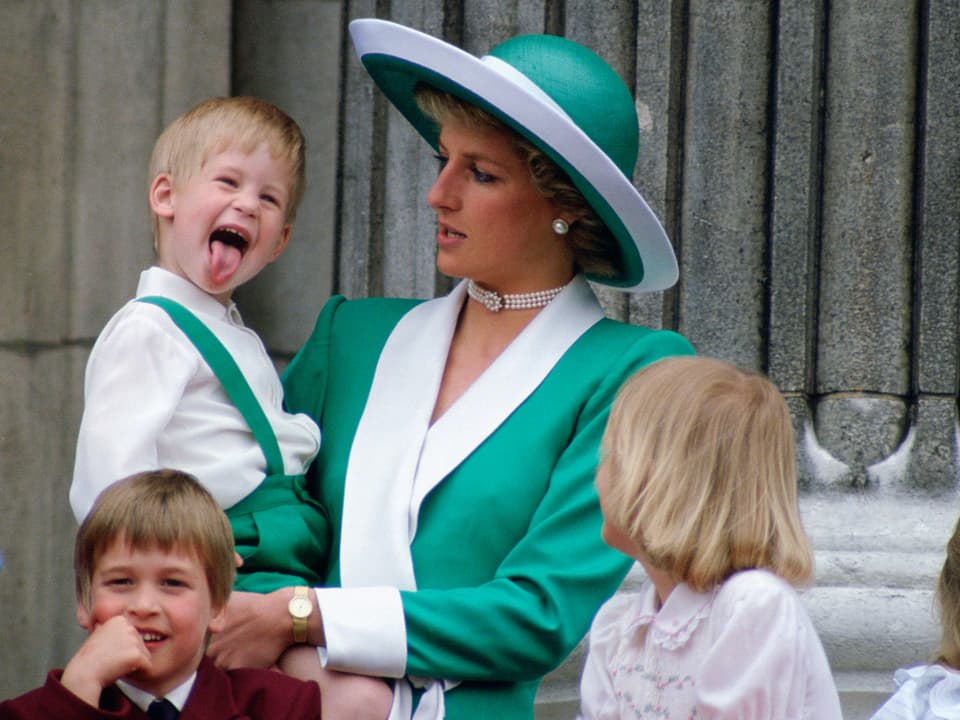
[{"x": 343, "y": 696}]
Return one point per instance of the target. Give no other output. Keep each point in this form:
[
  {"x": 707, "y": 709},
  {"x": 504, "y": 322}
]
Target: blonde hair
[
  {"x": 701, "y": 473},
  {"x": 222, "y": 123},
  {"x": 948, "y": 602},
  {"x": 167, "y": 509},
  {"x": 595, "y": 250}
]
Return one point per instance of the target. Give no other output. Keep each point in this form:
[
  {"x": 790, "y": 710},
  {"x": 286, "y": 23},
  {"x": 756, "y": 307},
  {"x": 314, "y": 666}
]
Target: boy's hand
[{"x": 111, "y": 651}]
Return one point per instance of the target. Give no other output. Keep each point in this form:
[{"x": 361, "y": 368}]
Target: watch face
[{"x": 300, "y": 607}]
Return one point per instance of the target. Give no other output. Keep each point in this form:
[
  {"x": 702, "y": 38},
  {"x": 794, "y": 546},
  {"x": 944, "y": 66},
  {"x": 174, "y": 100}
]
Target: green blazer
[{"x": 509, "y": 562}]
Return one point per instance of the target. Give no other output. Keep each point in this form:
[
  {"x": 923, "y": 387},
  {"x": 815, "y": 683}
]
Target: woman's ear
[{"x": 161, "y": 195}]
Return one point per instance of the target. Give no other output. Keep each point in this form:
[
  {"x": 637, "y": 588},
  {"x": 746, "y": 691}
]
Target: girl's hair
[
  {"x": 948, "y": 600},
  {"x": 700, "y": 473},
  {"x": 594, "y": 247},
  {"x": 165, "y": 509},
  {"x": 223, "y": 123}
]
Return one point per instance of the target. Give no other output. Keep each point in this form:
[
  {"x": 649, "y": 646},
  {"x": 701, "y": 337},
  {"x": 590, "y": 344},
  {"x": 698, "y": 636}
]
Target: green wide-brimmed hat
[{"x": 557, "y": 94}]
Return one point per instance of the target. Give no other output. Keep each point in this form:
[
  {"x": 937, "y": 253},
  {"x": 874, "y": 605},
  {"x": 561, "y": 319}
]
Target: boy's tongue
[{"x": 224, "y": 260}]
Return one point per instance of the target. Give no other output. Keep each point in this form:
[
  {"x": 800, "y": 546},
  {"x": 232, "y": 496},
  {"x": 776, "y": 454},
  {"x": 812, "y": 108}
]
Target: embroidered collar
[{"x": 672, "y": 625}]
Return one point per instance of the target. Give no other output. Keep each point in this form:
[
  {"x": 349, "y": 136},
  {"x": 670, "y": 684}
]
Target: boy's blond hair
[
  {"x": 701, "y": 474},
  {"x": 223, "y": 123},
  {"x": 167, "y": 509}
]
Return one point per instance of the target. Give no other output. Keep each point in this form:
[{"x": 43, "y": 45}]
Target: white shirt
[
  {"x": 925, "y": 692},
  {"x": 744, "y": 650},
  {"x": 142, "y": 699},
  {"x": 151, "y": 401}
]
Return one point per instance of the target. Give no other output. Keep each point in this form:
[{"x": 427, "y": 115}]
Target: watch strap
[{"x": 300, "y": 623}]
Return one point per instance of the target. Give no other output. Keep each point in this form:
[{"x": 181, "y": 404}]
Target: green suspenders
[
  {"x": 225, "y": 368},
  {"x": 280, "y": 531}
]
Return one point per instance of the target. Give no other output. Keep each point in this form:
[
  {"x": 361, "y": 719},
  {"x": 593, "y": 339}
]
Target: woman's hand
[{"x": 258, "y": 629}]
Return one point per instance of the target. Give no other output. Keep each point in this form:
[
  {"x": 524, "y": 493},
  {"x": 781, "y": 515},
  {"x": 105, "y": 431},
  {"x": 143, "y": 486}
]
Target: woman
[{"x": 460, "y": 435}]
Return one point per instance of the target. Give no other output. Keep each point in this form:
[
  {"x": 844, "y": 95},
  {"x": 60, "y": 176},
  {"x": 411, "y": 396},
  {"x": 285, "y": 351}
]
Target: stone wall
[{"x": 802, "y": 155}]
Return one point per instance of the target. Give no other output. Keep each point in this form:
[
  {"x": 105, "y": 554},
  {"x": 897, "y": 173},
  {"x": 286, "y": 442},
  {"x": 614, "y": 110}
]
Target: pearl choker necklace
[{"x": 495, "y": 302}]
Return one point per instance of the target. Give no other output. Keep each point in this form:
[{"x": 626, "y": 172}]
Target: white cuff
[{"x": 365, "y": 630}]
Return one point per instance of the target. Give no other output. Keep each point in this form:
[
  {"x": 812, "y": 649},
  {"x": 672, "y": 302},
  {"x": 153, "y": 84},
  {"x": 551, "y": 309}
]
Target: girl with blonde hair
[{"x": 698, "y": 483}]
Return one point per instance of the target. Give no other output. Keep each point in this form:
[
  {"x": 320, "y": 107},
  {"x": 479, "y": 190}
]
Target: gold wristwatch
[{"x": 300, "y": 607}]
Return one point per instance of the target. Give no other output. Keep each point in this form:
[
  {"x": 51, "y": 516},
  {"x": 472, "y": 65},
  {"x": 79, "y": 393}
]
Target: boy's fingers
[{"x": 144, "y": 663}]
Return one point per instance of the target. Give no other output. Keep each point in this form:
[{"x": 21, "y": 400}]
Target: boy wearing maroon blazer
[{"x": 154, "y": 565}]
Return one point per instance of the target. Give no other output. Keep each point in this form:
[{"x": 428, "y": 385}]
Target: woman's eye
[
  {"x": 441, "y": 162},
  {"x": 480, "y": 176}
]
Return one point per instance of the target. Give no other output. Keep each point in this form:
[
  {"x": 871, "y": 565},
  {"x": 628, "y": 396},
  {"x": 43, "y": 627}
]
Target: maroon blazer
[{"x": 245, "y": 694}]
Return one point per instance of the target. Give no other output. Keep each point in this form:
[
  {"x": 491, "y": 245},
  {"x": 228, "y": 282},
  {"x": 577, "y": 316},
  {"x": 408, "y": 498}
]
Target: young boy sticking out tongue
[{"x": 175, "y": 379}]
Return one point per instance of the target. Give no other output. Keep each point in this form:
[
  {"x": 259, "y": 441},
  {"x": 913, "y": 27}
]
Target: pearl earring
[{"x": 560, "y": 226}]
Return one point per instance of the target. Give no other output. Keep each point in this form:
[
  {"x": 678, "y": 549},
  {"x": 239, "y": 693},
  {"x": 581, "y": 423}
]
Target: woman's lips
[{"x": 447, "y": 236}]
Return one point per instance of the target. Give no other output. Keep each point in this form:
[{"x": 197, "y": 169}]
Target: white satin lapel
[
  {"x": 375, "y": 540},
  {"x": 503, "y": 387}
]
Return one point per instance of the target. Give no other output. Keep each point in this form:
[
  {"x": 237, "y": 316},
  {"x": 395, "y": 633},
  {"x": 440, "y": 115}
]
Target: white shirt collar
[
  {"x": 158, "y": 281},
  {"x": 142, "y": 699}
]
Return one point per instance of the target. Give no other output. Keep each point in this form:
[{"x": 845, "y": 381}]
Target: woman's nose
[{"x": 443, "y": 193}]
